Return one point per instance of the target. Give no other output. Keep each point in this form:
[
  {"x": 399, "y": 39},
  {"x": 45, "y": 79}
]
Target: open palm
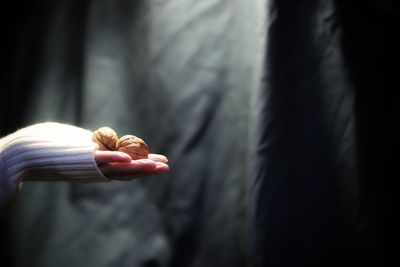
[{"x": 120, "y": 166}]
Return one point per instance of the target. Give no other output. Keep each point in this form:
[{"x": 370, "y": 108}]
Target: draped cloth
[{"x": 276, "y": 117}]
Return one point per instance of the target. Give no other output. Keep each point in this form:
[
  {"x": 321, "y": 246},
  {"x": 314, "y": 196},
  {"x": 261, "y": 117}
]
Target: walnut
[
  {"x": 133, "y": 146},
  {"x": 105, "y": 138}
]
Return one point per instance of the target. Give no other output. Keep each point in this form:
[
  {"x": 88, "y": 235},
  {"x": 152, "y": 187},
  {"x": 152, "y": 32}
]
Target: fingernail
[{"x": 162, "y": 166}]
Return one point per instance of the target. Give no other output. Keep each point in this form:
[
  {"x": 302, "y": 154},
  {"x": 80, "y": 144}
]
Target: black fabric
[
  {"x": 279, "y": 119},
  {"x": 371, "y": 49},
  {"x": 328, "y": 128}
]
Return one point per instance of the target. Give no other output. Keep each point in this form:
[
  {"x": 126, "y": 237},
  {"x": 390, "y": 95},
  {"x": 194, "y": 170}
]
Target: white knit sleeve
[{"x": 47, "y": 152}]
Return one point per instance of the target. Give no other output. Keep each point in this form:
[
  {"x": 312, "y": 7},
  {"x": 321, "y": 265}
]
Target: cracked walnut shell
[
  {"x": 133, "y": 146},
  {"x": 105, "y": 138}
]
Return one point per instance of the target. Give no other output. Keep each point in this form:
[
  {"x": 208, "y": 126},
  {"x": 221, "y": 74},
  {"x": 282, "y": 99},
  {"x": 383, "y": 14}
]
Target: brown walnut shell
[
  {"x": 105, "y": 138},
  {"x": 133, "y": 146}
]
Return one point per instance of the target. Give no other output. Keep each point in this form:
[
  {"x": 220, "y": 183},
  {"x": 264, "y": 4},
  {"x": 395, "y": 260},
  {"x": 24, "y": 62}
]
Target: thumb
[{"x": 103, "y": 157}]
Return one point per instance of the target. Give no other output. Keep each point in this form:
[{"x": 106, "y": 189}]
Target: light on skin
[{"x": 117, "y": 165}]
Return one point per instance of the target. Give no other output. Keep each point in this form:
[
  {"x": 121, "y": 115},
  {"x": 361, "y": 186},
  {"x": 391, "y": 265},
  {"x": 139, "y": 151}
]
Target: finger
[
  {"x": 102, "y": 157},
  {"x": 158, "y": 158},
  {"x": 161, "y": 167},
  {"x": 134, "y": 166},
  {"x": 133, "y": 170}
]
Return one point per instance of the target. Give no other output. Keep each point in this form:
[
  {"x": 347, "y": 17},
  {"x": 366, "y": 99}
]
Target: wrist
[{"x": 50, "y": 152}]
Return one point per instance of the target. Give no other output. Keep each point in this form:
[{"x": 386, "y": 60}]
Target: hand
[{"x": 120, "y": 166}]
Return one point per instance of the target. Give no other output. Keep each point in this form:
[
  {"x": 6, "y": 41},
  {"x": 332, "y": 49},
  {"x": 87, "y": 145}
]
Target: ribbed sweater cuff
[
  {"x": 7, "y": 190},
  {"x": 49, "y": 152}
]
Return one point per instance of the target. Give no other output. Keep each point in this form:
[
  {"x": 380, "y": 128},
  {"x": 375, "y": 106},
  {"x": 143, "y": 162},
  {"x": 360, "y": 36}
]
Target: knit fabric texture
[{"x": 47, "y": 152}]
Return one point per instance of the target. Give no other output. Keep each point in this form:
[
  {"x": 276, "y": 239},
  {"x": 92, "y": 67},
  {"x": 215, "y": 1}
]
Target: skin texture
[{"x": 117, "y": 165}]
